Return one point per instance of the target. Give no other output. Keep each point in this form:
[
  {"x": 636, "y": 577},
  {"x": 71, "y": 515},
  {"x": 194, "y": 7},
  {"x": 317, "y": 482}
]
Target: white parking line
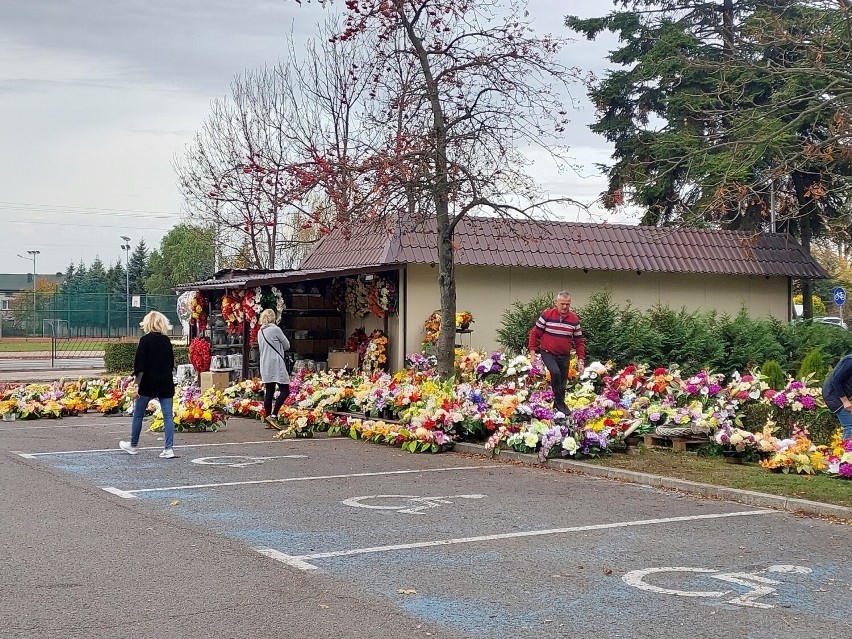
[
  {"x": 127, "y": 494},
  {"x": 118, "y": 450},
  {"x": 303, "y": 561}
]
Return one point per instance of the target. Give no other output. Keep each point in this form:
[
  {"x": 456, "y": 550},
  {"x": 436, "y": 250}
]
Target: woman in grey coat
[{"x": 272, "y": 344}]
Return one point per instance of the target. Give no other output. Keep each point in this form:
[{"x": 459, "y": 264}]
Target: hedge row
[
  {"x": 118, "y": 357},
  {"x": 691, "y": 340}
]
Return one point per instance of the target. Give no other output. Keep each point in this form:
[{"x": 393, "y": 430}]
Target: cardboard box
[
  {"x": 215, "y": 379},
  {"x": 342, "y": 359}
]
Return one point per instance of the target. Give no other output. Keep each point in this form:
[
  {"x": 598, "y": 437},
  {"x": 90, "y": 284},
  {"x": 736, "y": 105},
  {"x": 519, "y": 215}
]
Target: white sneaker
[
  {"x": 126, "y": 447},
  {"x": 168, "y": 453}
]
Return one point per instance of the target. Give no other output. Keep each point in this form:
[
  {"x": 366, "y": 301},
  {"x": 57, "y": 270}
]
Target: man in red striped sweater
[{"x": 556, "y": 333}]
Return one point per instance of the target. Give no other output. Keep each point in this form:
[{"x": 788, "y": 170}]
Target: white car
[{"x": 834, "y": 321}]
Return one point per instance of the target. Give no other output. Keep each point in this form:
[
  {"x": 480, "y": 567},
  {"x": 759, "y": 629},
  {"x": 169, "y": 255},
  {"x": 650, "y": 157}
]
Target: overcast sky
[{"x": 97, "y": 98}]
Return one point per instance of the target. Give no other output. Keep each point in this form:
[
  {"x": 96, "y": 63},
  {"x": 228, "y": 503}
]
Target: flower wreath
[
  {"x": 198, "y": 311},
  {"x": 233, "y": 311},
  {"x": 357, "y": 303},
  {"x": 381, "y": 297}
]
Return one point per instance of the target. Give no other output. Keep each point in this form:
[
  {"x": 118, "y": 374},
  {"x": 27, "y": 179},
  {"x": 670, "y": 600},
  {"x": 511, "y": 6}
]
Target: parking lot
[{"x": 465, "y": 545}]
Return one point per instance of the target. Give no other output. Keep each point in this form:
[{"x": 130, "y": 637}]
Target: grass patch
[
  {"x": 35, "y": 347},
  {"x": 714, "y": 470}
]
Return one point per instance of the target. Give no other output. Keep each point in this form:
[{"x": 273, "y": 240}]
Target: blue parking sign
[{"x": 839, "y": 295}]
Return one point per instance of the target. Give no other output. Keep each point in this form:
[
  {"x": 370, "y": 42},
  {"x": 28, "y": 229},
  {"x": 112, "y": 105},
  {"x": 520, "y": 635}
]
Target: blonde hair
[
  {"x": 267, "y": 317},
  {"x": 155, "y": 322}
]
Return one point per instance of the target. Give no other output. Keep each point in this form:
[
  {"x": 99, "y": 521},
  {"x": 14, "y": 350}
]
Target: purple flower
[
  {"x": 795, "y": 386},
  {"x": 714, "y": 389},
  {"x": 780, "y": 400},
  {"x": 654, "y": 417},
  {"x": 845, "y": 470},
  {"x": 807, "y": 402},
  {"x": 691, "y": 388}
]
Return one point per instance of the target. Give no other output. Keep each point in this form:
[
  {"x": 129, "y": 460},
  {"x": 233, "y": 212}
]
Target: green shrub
[
  {"x": 517, "y": 322},
  {"x": 813, "y": 364},
  {"x": 775, "y": 376},
  {"x": 746, "y": 342},
  {"x": 800, "y": 338},
  {"x": 686, "y": 339},
  {"x": 118, "y": 357},
  {"x": 819, "y": 424},
  {"x": 181, "y": 355},
  {"x": 612, "y": 332}
]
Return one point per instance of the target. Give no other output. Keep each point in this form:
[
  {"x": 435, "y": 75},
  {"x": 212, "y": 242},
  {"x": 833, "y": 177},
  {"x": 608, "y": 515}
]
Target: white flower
[
  {"x": 531, "y": 439},
  {"x": 569, "y": 444}
]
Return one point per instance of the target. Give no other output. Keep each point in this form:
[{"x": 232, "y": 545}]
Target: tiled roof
[
  {"x": 522, "y": 243},
  {"x": 24, "y": 281}
]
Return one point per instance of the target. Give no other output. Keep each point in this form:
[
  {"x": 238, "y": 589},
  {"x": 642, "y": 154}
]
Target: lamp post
[
  {"x": 35, "y": 277},
  {"x": 126, "y": 247}
]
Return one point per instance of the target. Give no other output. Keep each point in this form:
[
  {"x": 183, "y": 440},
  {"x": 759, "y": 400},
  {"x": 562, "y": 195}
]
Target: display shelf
[{"x": 318, "y": 323}]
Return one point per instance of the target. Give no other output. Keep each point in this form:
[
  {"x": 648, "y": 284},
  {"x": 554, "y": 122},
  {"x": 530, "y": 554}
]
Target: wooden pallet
[{"x": 677, "y": 444}]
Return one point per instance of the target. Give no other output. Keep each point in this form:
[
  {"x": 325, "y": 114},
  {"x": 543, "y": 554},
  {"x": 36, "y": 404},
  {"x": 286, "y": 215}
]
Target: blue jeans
[
  {"x": 845, "y": 418},
  {"x": 168, "y": 419}
]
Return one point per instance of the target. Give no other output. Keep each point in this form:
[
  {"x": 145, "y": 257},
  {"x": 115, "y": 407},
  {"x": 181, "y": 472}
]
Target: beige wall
[{"x": 487, "y": 292}]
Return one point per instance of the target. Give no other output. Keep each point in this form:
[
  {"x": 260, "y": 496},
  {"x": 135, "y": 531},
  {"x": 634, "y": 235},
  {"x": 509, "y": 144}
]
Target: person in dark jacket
[
  {"x": 837, "y": 391},
  {"x": 556, "y": 333},
  {"x": 153, "y": 369}
]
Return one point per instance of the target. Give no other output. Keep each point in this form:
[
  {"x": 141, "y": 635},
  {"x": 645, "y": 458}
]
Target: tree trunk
[
  {"x": 445, "y": 226},
  {"x": 807, "y": 208}
]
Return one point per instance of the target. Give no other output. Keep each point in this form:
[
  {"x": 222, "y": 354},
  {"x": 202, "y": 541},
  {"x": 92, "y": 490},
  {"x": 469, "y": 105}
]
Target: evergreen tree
[
  {"x": 138, "y": 268},
  {"x": 721, "y": 109}
]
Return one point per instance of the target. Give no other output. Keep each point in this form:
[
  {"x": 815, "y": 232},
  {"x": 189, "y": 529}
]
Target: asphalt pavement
[{"x": 243, "y": 535}]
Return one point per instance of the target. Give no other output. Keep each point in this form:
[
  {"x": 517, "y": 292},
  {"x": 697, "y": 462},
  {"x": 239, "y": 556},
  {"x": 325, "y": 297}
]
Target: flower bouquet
[
  {"x": 200, "y": 355},
  {"x": 840, "y": 457},
  {"x": 376, "y": 357},
  {"x": 463, "y": 320},
  {"x": 798, "y": 456},
  {"x": 736, "y": 443},
  {"x": 9, "y": 410}
]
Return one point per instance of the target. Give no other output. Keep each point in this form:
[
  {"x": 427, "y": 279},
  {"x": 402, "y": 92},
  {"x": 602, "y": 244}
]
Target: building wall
[{"x": 488, "y": 291}]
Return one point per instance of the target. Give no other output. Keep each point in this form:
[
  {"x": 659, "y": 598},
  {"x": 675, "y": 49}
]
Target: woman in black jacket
[{"x": 153, "y": 368}]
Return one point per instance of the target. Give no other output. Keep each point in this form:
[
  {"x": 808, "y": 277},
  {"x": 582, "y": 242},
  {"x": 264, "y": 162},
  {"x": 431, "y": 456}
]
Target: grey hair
[{"x": 563, "y": 294}]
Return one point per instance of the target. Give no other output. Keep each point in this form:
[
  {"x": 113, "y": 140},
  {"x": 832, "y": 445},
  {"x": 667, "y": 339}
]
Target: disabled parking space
[{"x": 487, "y": 548}]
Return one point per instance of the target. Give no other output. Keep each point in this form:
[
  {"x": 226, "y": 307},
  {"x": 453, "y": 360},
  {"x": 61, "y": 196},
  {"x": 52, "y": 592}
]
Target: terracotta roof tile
[{"x": 492, "y": 242}]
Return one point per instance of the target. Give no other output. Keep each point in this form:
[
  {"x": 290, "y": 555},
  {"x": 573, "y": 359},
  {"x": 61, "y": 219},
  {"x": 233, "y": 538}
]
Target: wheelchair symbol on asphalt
[
  {"x": 760, "y": 586},
  {"x": 239, "y": 461},
  {"x": 412, "y": 505}
]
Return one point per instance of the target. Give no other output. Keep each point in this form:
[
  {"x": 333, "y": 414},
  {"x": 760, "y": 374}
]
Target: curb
[{"x": 749, "y": 497}]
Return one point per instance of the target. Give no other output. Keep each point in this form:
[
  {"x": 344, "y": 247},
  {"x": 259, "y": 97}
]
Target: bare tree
[
  {"x": 252, "y": 171},
  {"x": 461, "y": 89}
]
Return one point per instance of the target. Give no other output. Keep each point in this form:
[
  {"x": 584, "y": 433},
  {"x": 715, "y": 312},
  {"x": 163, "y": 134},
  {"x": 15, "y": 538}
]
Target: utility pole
[{"x": 126, "y": 247}]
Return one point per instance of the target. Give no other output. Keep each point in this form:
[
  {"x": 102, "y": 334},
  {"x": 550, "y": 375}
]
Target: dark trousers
[
  {"x": 283, "y": 393},
  {"x": 557, "y": 365}
]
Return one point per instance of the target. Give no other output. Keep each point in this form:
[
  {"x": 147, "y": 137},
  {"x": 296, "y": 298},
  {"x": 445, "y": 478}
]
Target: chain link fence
[{"x": 83, "y": 315}]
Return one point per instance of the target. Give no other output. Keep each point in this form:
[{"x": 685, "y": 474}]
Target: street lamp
[
  {"x": 126, "y": 248},
  {"x": 35, "y": 277}
]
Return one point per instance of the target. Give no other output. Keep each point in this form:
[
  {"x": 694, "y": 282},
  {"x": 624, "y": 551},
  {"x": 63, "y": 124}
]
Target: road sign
[{"x": 839, "y": 295}]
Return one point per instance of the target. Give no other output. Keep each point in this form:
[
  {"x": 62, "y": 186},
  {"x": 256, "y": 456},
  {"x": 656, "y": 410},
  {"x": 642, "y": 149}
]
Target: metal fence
[{"x": 68, "y": 315}]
